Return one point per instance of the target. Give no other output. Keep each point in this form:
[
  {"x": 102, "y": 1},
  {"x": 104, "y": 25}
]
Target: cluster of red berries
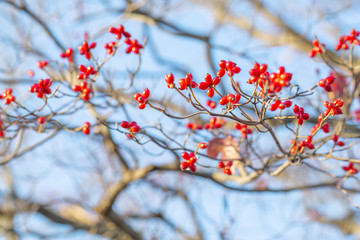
[
  {"x": 41, "y": 64},
  {"x": 7, "y": 96},
  {"x": 187, "y": 82},
  {"x": 225, "y": 167},
  {"x": 281, "y": 105},
  {"x": 68, "y": 54},
  {"x": 348, "y": 39},
  {"x": 209, "y": 84},
  {"x": 324, "y": 125},
  {"x": 229, "y": 67},
  {"x": 316, "y": 48},
  {"x": 41, "y": 88},
  {"x": 86, "y": 128},
  {"x": 142, "y": 98},
  {"x": 333, "y": 108},
  {"x": 132, "y": 127},
  {"x": 133, "y": 46},
  {"x": 119, "y": 31},
  {"x": 84, "y": 89},
  {"x": 278, "y": 80},
  {"x": 300, "y": 115},
  {"x": 85, "y": 48},
  {"x": 169, "y": 79},
  {"x": 214, "y": 123},
  {"x": 230, "y": 98},
  {"x": 350, "y": 169},
  {"x": 243, "y": 129},
  {"x": 275, "y": 81},
  {"x": 110, "y": 47},
  {"x": 193, "y": 126},
  {"x": 85, "y": 72},
  {"x": 189, "y": 162},
  {"x": 326, "y": 83},
  {"x": 259, "y": 72},
  {"x": 210, "y": 104},
  {"x": 335, "y": 138},
  {"x": 297, "y": 147}
]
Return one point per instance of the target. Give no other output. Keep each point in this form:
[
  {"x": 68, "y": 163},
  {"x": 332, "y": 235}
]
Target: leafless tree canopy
[{"x": 117, "y": 183}]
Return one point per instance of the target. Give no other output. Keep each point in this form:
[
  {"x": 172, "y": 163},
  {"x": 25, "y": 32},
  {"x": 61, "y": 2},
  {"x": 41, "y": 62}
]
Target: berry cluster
[
  {"x": 119, "y": 31},
  {"x": 299, "y": 147},
  {"x": 243, "y": 129},
  {"x": 7, "y": 96},
  {"x": 335, "y": 138},
  {"x": 230, "y": 98},
  {"x": 41, "y": 88},
  {"x": 85, "y": 48},
  {"x": 169, "y": 79},
  {"x": 68, "y": 54},
  {"x": 225, "y": 167},
  {"x": 210, "y": 104},
  {"x": 41, "y": 64},
  {"x": 193, "y": 126},
  {"x": 132, "y": 127},
  {"x": 84, "y": 89},
  {"x": 324, "y": 125},
  {"x": 142, "y": 98},
  {"x": 333, "y": 108},
  {"x": 326, "y": 83},
  {"x": 316, "y": 48},
  {"x": 214, "y": 123},
  {"x": 259, "y": 72},
  {"x": 110, "y": 47},
  {"x": 85, "y": 72},
  {"x": 229, "y": 67},
  {"x": 133, "y": 46},
  {"x": 209, "y": 84},
  {"x": 281, "y": 105},
  {"x": 348, "y": 39},
  {"x": 189, "y": 162},
  {"x": 300, "y": 115},
  {"x": 278, "y": 80},
  {"x": 86, "y": 128},
  {"x": 187, "y": 82},
  {"x": 274, "y": 81},
  {"x": 350, "y": 169}
]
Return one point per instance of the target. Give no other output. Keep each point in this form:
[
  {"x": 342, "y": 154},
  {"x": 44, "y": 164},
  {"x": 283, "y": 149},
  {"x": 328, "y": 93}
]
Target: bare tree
[{"x": 103, "y": 148}]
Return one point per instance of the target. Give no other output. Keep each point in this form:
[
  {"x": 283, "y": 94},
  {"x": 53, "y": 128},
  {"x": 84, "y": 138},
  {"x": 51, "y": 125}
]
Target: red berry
[
  {"x": 202, "y": 145},
  {"x": 41, "y": 120},
  {"x": 335, "y": 138},
  {"x": 142, "y": 105},
  {"x": 125, "y": 124},
  {"x": 210, "y": 92},
  {"x": 185, "y": 155},
  {"x": 184, "y": 165},
  {"x": 135, "y": 128},
  {"x": 221, "y": 164},
  {"x": 169, "y": 78},
  {"x": 146, "y": 93},
  {"x": 308, "y": 139},
  {"x": 223, "y": 100},
  {"x": 192, "y": 167}
]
